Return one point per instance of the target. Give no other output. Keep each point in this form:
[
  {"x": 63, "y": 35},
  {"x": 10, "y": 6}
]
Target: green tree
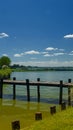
[{"x": 4, "y": 60}]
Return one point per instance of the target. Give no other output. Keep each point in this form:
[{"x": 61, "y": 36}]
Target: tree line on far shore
[{"x": 5, "y": 63}]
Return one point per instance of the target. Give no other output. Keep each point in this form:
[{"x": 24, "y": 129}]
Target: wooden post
[
  {"x": 63, "y": 106},
  {"x": 1, "y": 88},
  {"x": 28, "y": 90},
  {"x": 38, "y": 91},
  {"x": 14, "y": 90},
  {"x": 69, "y": 80},
  {"x": 69, "y": 93},
  {"x": 16, "y": 125},
  {"x": 61, "y": 92},
  {"x": 38, "y": 116},
  {"x": 53, "y": 110}
]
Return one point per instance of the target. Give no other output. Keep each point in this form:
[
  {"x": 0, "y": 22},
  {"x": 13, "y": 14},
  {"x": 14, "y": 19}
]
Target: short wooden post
[
  {"x": 38, "y": 90},
  {"x": 14, "y": 89},
  {"x": 61, "y": 92},
  {"x": 38, "y": 116},
  {"x": 1, "y": 88},
  {"x": 53, "y": 110},
  {"x": 63, "y": 106},
  {"x": 28, "y": 90},
  {"x": 16, "y": 125},
  {"x": 69, "y": 93}
]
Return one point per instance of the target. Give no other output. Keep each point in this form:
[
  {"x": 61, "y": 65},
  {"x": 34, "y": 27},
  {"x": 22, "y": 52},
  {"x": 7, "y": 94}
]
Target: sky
[{"x": 37, "y": 32}]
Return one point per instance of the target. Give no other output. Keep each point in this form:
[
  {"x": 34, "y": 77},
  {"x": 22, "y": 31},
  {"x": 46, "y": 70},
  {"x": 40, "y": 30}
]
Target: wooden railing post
[
  {"x": 69, "y": 93},
  {"x": 61, "y": 92},
  {"x": 38, "y": 91},
  {"x": 1, "y": 88},
  {"x": 14, "y": 89},
  {"x": 28, "y": 90}
]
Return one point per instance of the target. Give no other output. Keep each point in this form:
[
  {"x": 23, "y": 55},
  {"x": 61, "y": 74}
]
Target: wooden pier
[{"x": 38, "y": 84}]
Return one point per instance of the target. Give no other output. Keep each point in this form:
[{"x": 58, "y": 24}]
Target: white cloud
[
  {"x": 51, "y": 49},
  {"x": 4, "y": 54},
  {"x": 54, "y": 54},
  {"x": 68, "y": 36},
  {"x": 58, "y": 54},
  {"x": 26, "y": 53},
  {"x": 48, "y": 55},
  {"x": 44, "y": 52},
  {"x": 3, "y": 35},
  {"x": 17, "y": 55},
  {"x": 71, "y": 54},
  {"x": 31, "y": 52}
]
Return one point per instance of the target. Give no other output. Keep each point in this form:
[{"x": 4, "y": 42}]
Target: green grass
[
  {"x": 62, "y": 120},
  {"x": 25, "y": 112}
]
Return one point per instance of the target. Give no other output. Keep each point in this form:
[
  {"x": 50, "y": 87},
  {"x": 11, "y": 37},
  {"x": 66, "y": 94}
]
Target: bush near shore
[{"x": 5, "y": 73}]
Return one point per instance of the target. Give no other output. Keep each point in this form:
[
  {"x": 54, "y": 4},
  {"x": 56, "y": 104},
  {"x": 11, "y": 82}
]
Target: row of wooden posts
[
  {"x": 37, "y": 84},
  {"x": 38, "y": 116}
]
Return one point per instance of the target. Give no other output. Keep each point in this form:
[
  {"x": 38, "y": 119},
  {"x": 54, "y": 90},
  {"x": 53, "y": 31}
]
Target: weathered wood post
[
  {"x": 38, "y": 90},
  {"x": 63, "y": 106},
  {"x": 38, "y": 116},
  {"x": 69, "y": 93},
  {"x": 28, "y": 90},
  {"x": 1, "y": 88},
  {"x": 53, "y": 110},
  {"x": 16, "y": 125},
  {"x": 61, "y": 92},
  {"x": 14, "y": 89}
]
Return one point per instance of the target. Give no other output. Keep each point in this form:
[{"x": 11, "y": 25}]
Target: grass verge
[{"x": 25, "y": 112}]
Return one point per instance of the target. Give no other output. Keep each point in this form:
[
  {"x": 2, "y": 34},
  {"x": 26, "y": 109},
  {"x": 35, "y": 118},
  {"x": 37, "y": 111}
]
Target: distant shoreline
[{"x": 29, "y": 69}]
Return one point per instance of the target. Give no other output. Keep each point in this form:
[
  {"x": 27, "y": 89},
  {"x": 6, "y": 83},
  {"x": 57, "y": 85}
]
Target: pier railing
[{"x": 38, "y": 84}]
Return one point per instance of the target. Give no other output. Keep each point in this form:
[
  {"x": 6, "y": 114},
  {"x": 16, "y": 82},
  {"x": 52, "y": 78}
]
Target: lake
[{"x": 47, "y": 94}]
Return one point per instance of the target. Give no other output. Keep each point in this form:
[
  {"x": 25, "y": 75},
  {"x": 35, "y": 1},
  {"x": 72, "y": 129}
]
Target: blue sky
[{"x": 37, "y": 32}]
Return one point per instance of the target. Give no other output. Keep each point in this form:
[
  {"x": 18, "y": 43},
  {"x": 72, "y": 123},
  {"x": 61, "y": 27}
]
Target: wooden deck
[
  {"x": 49, "y": 84},
  {"x": 38, "y": 84}
]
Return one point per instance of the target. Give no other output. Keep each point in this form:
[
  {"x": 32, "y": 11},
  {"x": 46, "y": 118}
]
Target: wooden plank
[
  {"x": 38, "y": 84},
  {"x": 51, "y": 84}
]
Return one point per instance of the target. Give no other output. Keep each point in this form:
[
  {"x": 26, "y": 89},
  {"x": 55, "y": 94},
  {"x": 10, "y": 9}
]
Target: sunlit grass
[
  {"x": 24, "y": 112},
  {"x": 62, "y": 120},
  {"x": 19, "y": 110}
]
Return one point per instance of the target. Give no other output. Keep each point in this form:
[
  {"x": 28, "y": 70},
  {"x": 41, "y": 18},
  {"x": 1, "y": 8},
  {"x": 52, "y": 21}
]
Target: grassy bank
[
  {"x": 25, "y": 112},
  {"x": 60, "y": 121}
]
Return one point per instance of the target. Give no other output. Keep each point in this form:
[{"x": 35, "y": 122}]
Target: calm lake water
[{"x": 47, "y": 94}]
